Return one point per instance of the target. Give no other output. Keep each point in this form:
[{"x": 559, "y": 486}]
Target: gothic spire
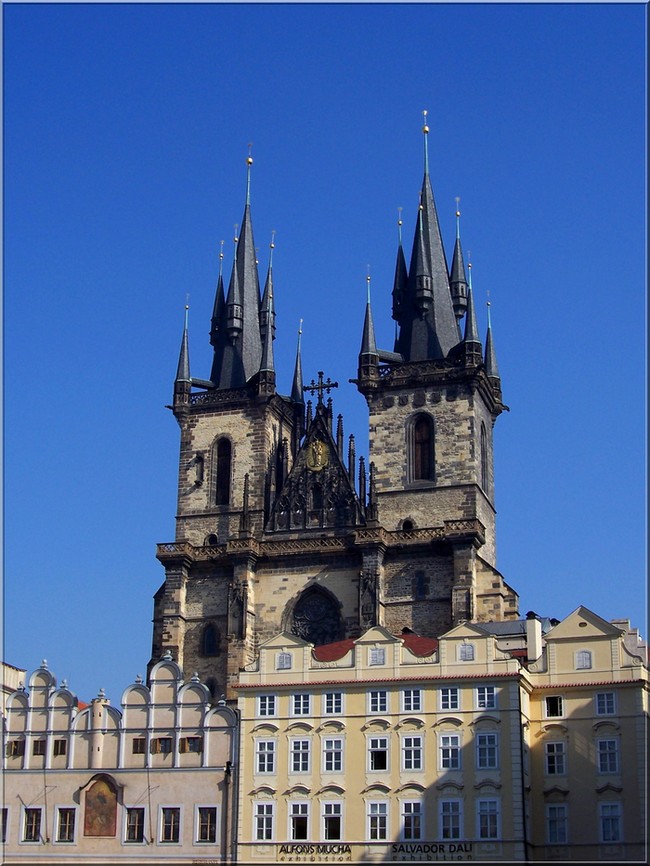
[
  {"x": 457, "y": 278},
  {"x": 400, "y": 281},
  {"x": 491, "y": 367},
  {"x": 368, "y": 356},
  {"x": 217, "y": 322},
  {"x": 183, "y": 370},
  {"x": 471, "y": 328},
  {"x": 428, "y": 327},
  {"x": 267, "y": 312},
  {"x": 296, "y": 387}
]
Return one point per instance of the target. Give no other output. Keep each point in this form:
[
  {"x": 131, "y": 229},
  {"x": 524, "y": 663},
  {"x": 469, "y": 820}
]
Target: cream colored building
[
  {"x": 93, "y": 784},
  {"x": 524, "y": 744}
]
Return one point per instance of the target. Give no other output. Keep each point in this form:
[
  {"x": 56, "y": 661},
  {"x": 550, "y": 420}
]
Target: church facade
[{"x": 281, "y": 528}]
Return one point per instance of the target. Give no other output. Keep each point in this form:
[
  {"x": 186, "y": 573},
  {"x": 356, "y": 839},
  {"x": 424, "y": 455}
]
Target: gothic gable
[{"x": 318, "y": 493}]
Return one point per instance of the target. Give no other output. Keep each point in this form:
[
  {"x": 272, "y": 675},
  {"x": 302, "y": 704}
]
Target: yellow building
[{"x": 493, "y": 743}]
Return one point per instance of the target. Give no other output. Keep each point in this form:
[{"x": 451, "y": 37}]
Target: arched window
[
  {"x": 422, "y": 450},
  {"x": 210, "y": 641},
  {"x": 484, "y": 458},
  {"x": 317, "y": 618},
  {"x": 223, "y": 467}
]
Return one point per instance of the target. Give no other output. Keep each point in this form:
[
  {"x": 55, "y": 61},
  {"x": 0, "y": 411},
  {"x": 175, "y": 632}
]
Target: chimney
[{"x": 533, "y": 636}]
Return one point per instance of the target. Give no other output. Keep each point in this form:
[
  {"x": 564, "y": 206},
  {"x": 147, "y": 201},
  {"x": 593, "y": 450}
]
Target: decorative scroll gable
[{"x": 318, "y": 493}]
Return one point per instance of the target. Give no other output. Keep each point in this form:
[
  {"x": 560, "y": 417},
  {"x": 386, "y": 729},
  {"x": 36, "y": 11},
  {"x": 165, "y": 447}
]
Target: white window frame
[
  {"x": 375, "y": 811},
  {"x": 489, "y": 699},
  {"x": 263, "y": 703},
  {"x": 555, "y": 754},
  {"x": 603, "y": 818},
  {"x": 161, "y": 824},
  {"x": 334, "y": 805},
  {"x": 606, "y": 754},
  {"x": 334, "y": 697},
  {"x": 489, "y": 808},
  {"x": 259, "y": 751},
  {"x": 603, "y": 701},
  {"x": 583, "y": 660},
  {"x": 488, "y": 741},
  {"x": 378, "y": 748},
  {"x": 298, "y": 809},
  {"x": 376, "y": 656},
  {"x": 412, "y": 700},
  {"x": 295, "y": 752},
  {"x": 450, "y": 751},
  {"x": 449, "y": 698},
  {"x": 562, "y": 707},
  {"x": 336, "y": 753},
  {"x": 23, "y": 825},
  {"x": 268, "y": 820},
  {"x": 377, "y": 701},
  {"x": 125, "y": 840},
  {"x": 301, "y": 704},
  {"x": 557, "y": 818},
  {"x": 415, "y": 750},
  {"x": 466, "y": 652},
  {"x": 407, "y": 812},
  {"x": 197, "y": 823},
  {"x": 283, "y": 661},
  {"x": 57, "y": 826},
  {"x": 457, "y": 813}
]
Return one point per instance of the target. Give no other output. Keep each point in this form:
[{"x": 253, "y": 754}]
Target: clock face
[{"x": 317, "y": 455}]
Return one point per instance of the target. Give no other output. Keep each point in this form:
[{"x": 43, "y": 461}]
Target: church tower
[{"x": 279, "y": 528}]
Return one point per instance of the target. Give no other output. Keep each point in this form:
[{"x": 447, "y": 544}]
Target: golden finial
[
  {"x": 249, "y": 160},
  {"x": 221, "y": 250},
  {"x": 272, "y": 238},
  {"x": 425, "y": 128},
  {"x": 399, "y": 216},
  {"x": 457, "y": 205},
  {"x": 236, "y": 238}
]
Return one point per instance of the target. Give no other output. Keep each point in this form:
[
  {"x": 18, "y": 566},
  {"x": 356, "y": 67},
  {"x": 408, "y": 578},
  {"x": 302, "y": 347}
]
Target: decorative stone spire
[
  {"x": 183, "y": 381},
  {"x": 428, "y": 327},
  {"x": 400, "y": 282},
  {"x": 457, "y": 278},
  {"x": 297, "y": 397},
  {"x": 471, "y": 342},
  {"x": 267, "y": 366},
  {"x": 368, "y": 356},
  {"x": 491, "y": 367},
  {"x": 217, "y": 322},
  {"x": 267, "y": 313}
]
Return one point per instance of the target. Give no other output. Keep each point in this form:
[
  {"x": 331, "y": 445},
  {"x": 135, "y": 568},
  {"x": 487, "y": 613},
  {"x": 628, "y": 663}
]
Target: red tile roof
[{"x": 419, "y": 646}]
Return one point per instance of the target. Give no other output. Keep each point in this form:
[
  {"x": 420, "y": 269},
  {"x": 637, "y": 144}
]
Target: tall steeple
[
  {"x": 368, "y": 356},
  {"x": 471, "y": 342},
  {"x": 457, "y": 278},
  {"x": 428, "y": 328},
  {"x": 183, "y": 381},
  {"x": 241, "y": 345},
  {"x": 400, "y": 282},
  {"x": 267, "y": 327},
  {"x": 491, "y": 367}
]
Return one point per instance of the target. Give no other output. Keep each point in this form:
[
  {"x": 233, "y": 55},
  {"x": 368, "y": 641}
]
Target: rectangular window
[
  {"x": 449, "y": 698},
  {"x": 206, "y": 828},
  {"x": 139, "y": 745},
  {"x": 300, "y": 756},
  {"x": 607, "y": 756},
  {"x": 412, "y": 820},
  {"x": 301, "y": 705},
  {"x": 191, "y": 744},
  {"x": 283, "y": 661},
  {"x": 378, "y": 753},
  {"x": 378, "y": 821},
  {"x": 449, "y": 752},
  {"x": 170, "y": 827},
  {"x": 266, "y": 705},
  {"x": 378, "y": 702},
  {"x": 486, "y": 698},
  {"x": 333, "y": 703},
  {"x": 611, "y": 824},
  {"x": 583, "y": 660},
  {"x": 487, "y": 751},
  {"x": 332, "y": 755},
  {"x": 32, "y": 826},
  {"x": 263, "y": 822},
  {"x": 412, "y": 752},
  {"x": 487, "y": 819},
  {"x": 554, "y": 706},
  {"x": 332, "y": 821},
  {"x": 65, "y": 825},
  {"x": 161, "y": 745},
  {"x": 605, "y": 704},
  {"x": 265, "y": 751},
  {"x": 377, "y": 656},
  {"x": 15, "y": 748},
  {"x": 299, "y": 821},
  {"x": 3, "y": 827},
  {"x": 450, "y": 819},
  {"x": 555, "y": 759},
  {"x": 412, "y": 700},
  {"x": 60, "y": 748},
  {"x": 38, "y": 747},
  {"x": 557, "y": 824},
  {"x": 466, "y": 652},
  {"x": 134, "y": 825}
]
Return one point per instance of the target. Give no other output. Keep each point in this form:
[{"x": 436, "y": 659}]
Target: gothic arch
[
  {"x": 315, "y": 616},
  {"x": 420, "y": 442},
  {"x": 221, "y": 470}
]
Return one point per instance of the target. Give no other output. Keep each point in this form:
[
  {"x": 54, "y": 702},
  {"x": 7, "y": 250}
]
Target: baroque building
[{"x": 279, "y": 527}]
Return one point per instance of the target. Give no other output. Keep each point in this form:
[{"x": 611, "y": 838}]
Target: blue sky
[{"x": 126, "y": 132}]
